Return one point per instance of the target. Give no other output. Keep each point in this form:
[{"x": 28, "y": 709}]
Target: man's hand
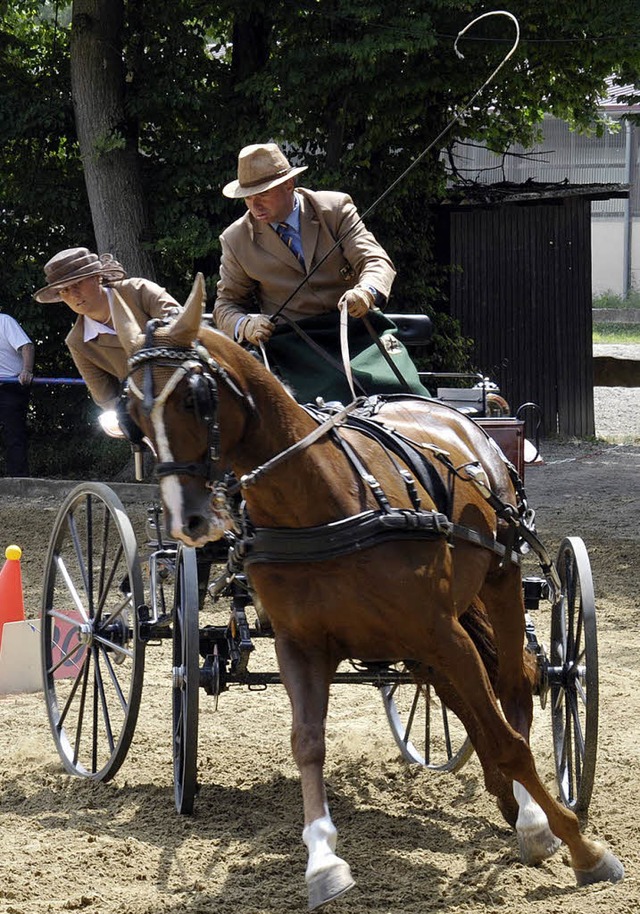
[
  {"x": 257, "y": 328},
  {"x": 358, "y": 301}
]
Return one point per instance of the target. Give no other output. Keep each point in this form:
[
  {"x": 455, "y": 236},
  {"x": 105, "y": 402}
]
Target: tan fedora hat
[
  {"x": 73, "y": 265},
  {"x": 260, "y": 167}
]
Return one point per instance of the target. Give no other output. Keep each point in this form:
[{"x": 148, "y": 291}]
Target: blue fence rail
[{"x": 15, "y": 380}]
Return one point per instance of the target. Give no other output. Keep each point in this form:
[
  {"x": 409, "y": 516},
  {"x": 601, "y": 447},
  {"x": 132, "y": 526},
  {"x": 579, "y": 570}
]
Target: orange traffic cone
[{"x": 11, "y": 601}]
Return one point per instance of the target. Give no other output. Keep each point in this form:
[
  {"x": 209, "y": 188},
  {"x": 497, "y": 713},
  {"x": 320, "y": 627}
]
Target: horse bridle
[{"x": 203, "y": 374}]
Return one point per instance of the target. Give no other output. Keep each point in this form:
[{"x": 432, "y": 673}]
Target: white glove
[
  {"x": 358, "y": 301},
  {"x": 256, "y": 328}
]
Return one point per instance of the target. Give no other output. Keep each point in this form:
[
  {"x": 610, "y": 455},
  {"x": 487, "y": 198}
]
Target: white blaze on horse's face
[{"x": 189, "y": 519}]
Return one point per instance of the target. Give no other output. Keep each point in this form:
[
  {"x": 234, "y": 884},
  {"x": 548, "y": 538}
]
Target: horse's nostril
[{"x": 195, "y": 526}]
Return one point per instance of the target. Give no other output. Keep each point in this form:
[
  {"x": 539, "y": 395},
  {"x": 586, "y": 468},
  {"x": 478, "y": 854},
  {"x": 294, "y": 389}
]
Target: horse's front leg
[{"x": 307, "y": 677}]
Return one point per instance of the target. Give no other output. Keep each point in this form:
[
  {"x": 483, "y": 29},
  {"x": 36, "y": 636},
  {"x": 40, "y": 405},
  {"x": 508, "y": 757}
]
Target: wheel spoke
[
  {"x": 425, "y": 733},
  {"x": 75, "y": 596},
  {"x": 105, "y": 586},
  {"x": 92, "y": 654},
  {"x": 426, "y": 694},
  {"x": 83, "y": 696},
  {"x": 100, "y": 690},
  {"x": 412, "y": 713}
]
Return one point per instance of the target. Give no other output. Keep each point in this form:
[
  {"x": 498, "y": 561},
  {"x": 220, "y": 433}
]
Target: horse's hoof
[
  {"x": 608, "y": 870},
  {"x": 327, "y": 885},
  {"x": 537, "y": 844}
]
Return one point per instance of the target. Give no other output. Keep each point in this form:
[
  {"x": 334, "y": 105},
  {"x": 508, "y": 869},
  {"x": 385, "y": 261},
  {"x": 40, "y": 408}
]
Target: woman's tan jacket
[{"x": 102, "y": 361}]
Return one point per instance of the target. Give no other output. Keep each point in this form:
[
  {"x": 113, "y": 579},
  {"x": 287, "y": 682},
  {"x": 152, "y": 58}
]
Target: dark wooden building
[{"x": 520, "y": 287}]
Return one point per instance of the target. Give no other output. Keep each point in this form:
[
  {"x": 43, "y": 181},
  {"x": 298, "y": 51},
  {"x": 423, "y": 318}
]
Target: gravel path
[{"x": 617, "y": 409}]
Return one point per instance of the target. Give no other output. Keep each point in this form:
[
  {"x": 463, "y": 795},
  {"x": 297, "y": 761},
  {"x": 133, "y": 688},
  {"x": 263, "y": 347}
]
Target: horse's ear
[
  {"x": 185, "y": 328},
  {"x": 126, "y": 326}
]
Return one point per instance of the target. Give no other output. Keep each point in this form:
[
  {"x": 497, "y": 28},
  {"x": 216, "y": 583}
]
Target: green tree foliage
[
  {"x": 42, "y": 201},
  {"x": 358, "y": 89}
]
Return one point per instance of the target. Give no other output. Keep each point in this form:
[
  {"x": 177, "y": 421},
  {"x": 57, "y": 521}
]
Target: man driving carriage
[{"x": 298, "y": 257}]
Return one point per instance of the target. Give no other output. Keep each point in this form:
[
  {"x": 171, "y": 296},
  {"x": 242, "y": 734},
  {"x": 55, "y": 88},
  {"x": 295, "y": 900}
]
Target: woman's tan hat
[
  {"x": 260, "y": 167},
  {"x": 73, "y": 265}
]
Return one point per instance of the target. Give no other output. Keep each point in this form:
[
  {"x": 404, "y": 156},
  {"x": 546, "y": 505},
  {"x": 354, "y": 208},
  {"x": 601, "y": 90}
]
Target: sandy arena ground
[{"x": 417, "y": 841}]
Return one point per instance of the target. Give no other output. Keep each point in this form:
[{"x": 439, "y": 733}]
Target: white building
[{"x": 566, "y": 156}]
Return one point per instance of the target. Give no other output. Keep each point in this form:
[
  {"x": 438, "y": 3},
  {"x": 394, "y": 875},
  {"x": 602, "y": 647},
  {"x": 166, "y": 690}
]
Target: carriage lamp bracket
[{"x": 536, "y": 589}]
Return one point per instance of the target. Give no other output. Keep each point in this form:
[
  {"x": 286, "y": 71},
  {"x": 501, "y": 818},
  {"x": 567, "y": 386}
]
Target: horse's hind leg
[
  {"x": 307, "y": 678},
  {"x": 503, "y": 599},
  {"x": 494, "y": 780},
  {"x": 497, "y": 742},
  {"x": 475, "y": 622}
]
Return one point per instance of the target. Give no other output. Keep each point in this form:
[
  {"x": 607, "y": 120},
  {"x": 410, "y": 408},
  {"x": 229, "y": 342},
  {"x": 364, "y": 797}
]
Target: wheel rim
[
  {"x": 573, "y": 675},
  {"x": 92, "y": 656},
  {"x": 186, "y": 680},
  {"x": 426, "y": 732}
]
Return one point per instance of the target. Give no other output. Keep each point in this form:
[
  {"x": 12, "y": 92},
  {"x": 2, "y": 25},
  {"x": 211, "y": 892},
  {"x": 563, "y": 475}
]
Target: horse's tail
[{"x": 476, "y": 624}]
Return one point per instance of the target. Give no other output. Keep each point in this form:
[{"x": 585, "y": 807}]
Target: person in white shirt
[{"x": 16, "y": 374}]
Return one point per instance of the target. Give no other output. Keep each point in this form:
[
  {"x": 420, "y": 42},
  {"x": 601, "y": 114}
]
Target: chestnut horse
[{"x": 355, "y": 551}]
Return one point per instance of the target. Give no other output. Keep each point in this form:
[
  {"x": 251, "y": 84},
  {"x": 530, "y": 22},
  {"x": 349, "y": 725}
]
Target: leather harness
[{"x": 351, "y": 534}]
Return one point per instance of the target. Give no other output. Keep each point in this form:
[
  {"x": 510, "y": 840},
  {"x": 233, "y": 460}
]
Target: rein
[{"x": 323, "y": 429}]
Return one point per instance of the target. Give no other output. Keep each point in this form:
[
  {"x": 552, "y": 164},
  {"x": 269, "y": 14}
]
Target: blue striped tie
[{"x": 291, "y": 240}]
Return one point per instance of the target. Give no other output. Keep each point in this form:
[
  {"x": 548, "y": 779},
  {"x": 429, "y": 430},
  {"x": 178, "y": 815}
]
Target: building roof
[
  {"x": 478, "y": 194},
  {"x": 613, "y": 101}
]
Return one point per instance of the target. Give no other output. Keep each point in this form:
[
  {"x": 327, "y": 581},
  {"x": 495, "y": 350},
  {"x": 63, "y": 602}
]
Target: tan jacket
[
  {"x": 102, "y": 361},
  {"x": 258, "y": 272}
]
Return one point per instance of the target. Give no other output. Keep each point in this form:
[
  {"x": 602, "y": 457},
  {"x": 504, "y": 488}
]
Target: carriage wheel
[
  {"x": 186, "y": 680},
  {"x": 425, "y": 730},
  {"x": 92, "y": 655},
  {"x": 573, "y": 677}
]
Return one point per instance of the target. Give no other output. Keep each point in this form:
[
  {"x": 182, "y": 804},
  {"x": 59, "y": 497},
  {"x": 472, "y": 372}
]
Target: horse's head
[{"x": 173, "y": 387}]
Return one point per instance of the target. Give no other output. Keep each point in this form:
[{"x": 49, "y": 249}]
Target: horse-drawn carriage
[{"x": 378, "y": 551}]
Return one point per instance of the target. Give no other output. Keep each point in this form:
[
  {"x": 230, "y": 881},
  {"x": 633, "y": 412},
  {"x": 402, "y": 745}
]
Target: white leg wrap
[
  {"x": 321, "y": 837},
  {"x": 535, "y": 839},
  {"x": 327, "y": 875}
]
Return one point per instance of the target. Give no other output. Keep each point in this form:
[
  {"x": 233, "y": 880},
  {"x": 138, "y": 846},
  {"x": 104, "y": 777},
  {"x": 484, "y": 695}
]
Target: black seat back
[{"x": 413, "y": 329}]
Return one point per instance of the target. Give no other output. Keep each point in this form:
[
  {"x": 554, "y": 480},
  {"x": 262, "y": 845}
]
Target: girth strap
[{"x": 355, "y": 534}]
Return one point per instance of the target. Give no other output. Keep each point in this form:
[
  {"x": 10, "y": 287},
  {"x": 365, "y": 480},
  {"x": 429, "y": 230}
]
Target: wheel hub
[
  {"x": 85, "y": 634},
  {"x": 178, "y": 677}
]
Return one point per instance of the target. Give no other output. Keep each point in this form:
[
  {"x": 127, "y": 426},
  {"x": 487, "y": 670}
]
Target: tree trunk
[{"x": 107, "y": 144}]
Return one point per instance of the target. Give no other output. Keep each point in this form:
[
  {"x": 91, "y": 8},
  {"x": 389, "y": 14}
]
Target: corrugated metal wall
[
  {"x": 563, "y": 155},
  {"x": 522, "y": 291}
]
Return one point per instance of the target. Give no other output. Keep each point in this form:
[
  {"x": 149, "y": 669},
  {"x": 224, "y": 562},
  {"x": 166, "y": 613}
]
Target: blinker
[{"x": 203, "y": 391}]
